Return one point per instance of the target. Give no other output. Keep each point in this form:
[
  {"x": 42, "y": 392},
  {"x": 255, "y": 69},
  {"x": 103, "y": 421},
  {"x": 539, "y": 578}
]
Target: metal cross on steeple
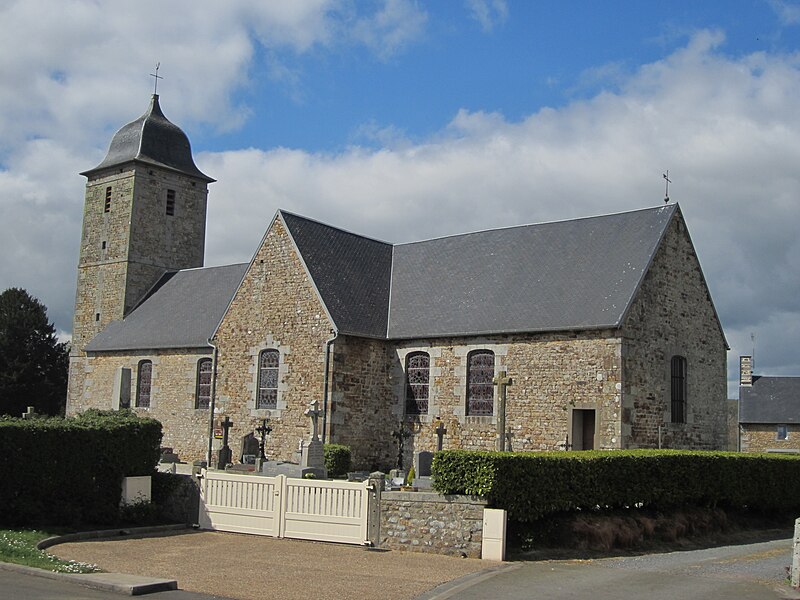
[{"x": 157, "y": 77}]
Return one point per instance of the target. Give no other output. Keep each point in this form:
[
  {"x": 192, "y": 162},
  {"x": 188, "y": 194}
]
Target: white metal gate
[{"x": 329, "y": 511}]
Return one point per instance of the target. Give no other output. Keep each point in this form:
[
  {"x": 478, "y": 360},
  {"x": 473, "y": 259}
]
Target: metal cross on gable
[
  {"x": 667, "y": 181},
  {"x": 157, "y": 77}
]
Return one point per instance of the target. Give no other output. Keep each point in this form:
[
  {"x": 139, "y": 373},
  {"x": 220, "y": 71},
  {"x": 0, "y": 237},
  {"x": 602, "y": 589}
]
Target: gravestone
[
  {"x": 422, "y": 467},
  {"x": 249, "y": 449},
  {"x": 225, "y": 455}
]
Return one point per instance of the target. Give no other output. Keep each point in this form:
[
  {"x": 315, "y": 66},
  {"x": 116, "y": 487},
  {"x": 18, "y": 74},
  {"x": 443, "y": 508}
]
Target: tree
[{"x": 33, "y": 363}]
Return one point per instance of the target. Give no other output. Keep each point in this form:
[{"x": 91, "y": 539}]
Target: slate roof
[
  {"x": 566, "y": 275},
  {"x": 152, "y": 139},
  {"x": 774, "y": 400},
  {"x": 181, "y": 311},
  {"x": 351, "y": 272}
]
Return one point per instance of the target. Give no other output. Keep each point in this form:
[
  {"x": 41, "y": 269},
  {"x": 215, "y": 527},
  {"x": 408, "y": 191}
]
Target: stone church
[{"x": 604, "y": 325}]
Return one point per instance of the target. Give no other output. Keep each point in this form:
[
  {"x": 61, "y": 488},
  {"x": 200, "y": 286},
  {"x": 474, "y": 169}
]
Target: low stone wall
[{"x": 430, "y": 522}]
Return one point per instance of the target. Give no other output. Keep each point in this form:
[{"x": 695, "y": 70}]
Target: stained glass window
[
  {"x": 203, "y": 398},
  {"x": 144, "y": 379},
  {"x": 417, "y": 383},
  {"x": 268, "y": 379},
  {"x": 678, "y": 395},
  {"x": 480, "y": 390}
]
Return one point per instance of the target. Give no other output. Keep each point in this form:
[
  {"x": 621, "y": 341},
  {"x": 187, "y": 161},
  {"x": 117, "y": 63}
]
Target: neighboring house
[
  {"x": 605, "y": 324},
  {"x": 769, "y": 411}
]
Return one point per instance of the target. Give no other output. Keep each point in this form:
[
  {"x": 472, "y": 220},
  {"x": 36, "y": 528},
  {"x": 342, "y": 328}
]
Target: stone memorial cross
[
  {"x": 225, "y": 454},
  {"x": 30, "y": 413},
  {"x": 263, "y": 430},
  {"x": 440, "y": 431},
  {"x": 314, "y": 413},
  {"x": 502, "y": 382}
]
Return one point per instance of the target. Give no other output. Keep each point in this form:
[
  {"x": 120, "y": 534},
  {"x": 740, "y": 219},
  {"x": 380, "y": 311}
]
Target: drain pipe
[
  {"x": 328, "y": 345},
  {"x": 212, "y": 407}
]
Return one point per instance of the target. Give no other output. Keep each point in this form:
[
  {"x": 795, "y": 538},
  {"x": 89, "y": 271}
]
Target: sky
[{"x": 405, "y": 120}]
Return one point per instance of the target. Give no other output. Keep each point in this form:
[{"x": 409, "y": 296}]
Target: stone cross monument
[
  {"x": 502, "y": 382},
  {"x": 313, "y": 454}
]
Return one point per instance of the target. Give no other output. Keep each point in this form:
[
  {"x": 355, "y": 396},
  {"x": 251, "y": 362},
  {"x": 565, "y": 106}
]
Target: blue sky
[{"x": 405, "y": 120}]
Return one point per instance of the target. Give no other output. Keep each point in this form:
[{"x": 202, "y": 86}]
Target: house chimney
[{"x": 746, "y": 370}]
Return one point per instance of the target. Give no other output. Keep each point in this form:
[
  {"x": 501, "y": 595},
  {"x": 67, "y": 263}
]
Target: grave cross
[
  {"x": 225, "y": 455},
  {"x": 400, "y": 437},
  {"x": 263, "y": 430},
  {"x": 440, "y": 431},
  {"x": 30, "y": 413},
  {"x": 502, "y": 382},
  {"x": 314, "y": 413}
]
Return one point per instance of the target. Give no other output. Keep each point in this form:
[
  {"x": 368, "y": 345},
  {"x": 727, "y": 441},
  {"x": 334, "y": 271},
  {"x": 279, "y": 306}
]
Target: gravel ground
[{"x": 249, "y": 567}]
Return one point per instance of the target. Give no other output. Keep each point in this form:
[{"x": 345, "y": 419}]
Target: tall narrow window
[
  {"x": 203, "y": 396},
  {"x": 782, "y": 433},
  {"x": 678, "y": 389},
  {"x": 107, "y": 205},
  {"x": 417, "y": 383},
  {"x": 480, "y": 390},
  {"x": 144, "y": 379},
  {"x": 170, "y": 202},
  {"x": 268, "y": 362}
]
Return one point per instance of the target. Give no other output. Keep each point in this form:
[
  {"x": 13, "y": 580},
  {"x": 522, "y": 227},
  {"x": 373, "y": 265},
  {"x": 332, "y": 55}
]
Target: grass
[{"x": 19, "y": 547}]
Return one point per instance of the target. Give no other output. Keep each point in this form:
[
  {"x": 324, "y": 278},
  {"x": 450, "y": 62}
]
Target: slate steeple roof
[{"x": 152, "y": 139}]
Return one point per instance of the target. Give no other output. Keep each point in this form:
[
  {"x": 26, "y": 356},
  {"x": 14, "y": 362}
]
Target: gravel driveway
[{"x": 254, "y": 567}]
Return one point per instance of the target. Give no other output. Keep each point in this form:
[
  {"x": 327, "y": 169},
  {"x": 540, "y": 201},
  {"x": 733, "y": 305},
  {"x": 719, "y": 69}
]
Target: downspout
[
  {"x": 325, "y": 382},
  {"x": 213, "y": 403}
]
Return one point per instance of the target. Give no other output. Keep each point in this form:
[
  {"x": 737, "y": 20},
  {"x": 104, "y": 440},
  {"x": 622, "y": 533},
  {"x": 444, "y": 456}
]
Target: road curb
[
  {"x": 131, "y": 585},
  {"x": 108, "y": 533},
  {"x": 451, "y": 588}
]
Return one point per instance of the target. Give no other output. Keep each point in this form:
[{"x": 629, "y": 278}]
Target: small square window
[
  {"x": 170, "y": 202},
  {"x": 782, "y": 433},
  {"x": 107, "y": 205}
]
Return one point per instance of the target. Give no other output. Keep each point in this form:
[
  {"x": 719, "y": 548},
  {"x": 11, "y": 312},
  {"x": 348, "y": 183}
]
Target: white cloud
[
  {"x": 488, "y": 13},
  {"x": 788, "y": 12},
  {"x": 725, "y": 128}
]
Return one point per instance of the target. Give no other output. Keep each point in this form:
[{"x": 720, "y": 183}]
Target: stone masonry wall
[
  {"x": 173, "y": 394},
  {"x": 764, "y": 438},
  {"x": 361, "y": 415},
  {"x": 275, "y": 307},
  {"x": 673, "y": 315},
  {"x": 429, "y": 522},
  {"x": 553, "y": 375}
]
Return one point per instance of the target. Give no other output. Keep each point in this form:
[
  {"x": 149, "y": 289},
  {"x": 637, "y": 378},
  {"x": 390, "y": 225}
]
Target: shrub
[
  {"x": 531, "y": 485},
  {"x": 68, "y": 471},
  {"x": 337, "y": 459}
]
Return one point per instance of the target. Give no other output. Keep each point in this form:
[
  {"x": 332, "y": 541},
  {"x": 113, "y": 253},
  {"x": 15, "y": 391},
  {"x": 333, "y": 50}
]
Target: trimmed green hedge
[
  {"x": 531, "y": 485},
  {"x": 337, "y": 459},
  {"x": 58, "y": 471}
]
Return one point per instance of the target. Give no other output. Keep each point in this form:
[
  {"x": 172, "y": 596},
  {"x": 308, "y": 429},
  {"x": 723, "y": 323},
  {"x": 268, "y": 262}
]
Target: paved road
[
  {"x": 21, "y": 586},
  {"x": 748, "y": 572}
]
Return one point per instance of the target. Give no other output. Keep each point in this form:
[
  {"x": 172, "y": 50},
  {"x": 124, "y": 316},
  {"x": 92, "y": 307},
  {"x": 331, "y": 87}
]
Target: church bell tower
[{"x": 144, "y": 214}]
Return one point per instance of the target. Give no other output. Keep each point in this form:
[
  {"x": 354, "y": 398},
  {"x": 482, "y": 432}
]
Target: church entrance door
[{"x": 583, "y": 422}]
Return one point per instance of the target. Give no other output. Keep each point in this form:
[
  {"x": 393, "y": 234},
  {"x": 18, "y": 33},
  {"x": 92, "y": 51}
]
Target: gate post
[{"x": 377, "y": 480}]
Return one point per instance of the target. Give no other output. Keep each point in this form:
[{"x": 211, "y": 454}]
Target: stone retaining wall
[{"x": 430, "y": 522}]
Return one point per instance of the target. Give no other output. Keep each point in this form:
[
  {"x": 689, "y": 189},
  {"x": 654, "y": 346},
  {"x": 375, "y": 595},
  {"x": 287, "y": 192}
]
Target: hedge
[
  {"x": 337, "y": 459},
  {"x": 57, "y": 471},
  {"x": 531, "y": 485}
]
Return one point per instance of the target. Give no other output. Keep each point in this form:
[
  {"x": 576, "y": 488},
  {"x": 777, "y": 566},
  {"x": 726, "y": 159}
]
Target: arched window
[
  {"x": 203, "y": 395},
  {"x": 144, "y": 379},
  {"x": 268, "y": 362},
  {"x": 480, "y": 389},
  {"x": 678, "y": 389},
  {"x": 417, "y": 383}
]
